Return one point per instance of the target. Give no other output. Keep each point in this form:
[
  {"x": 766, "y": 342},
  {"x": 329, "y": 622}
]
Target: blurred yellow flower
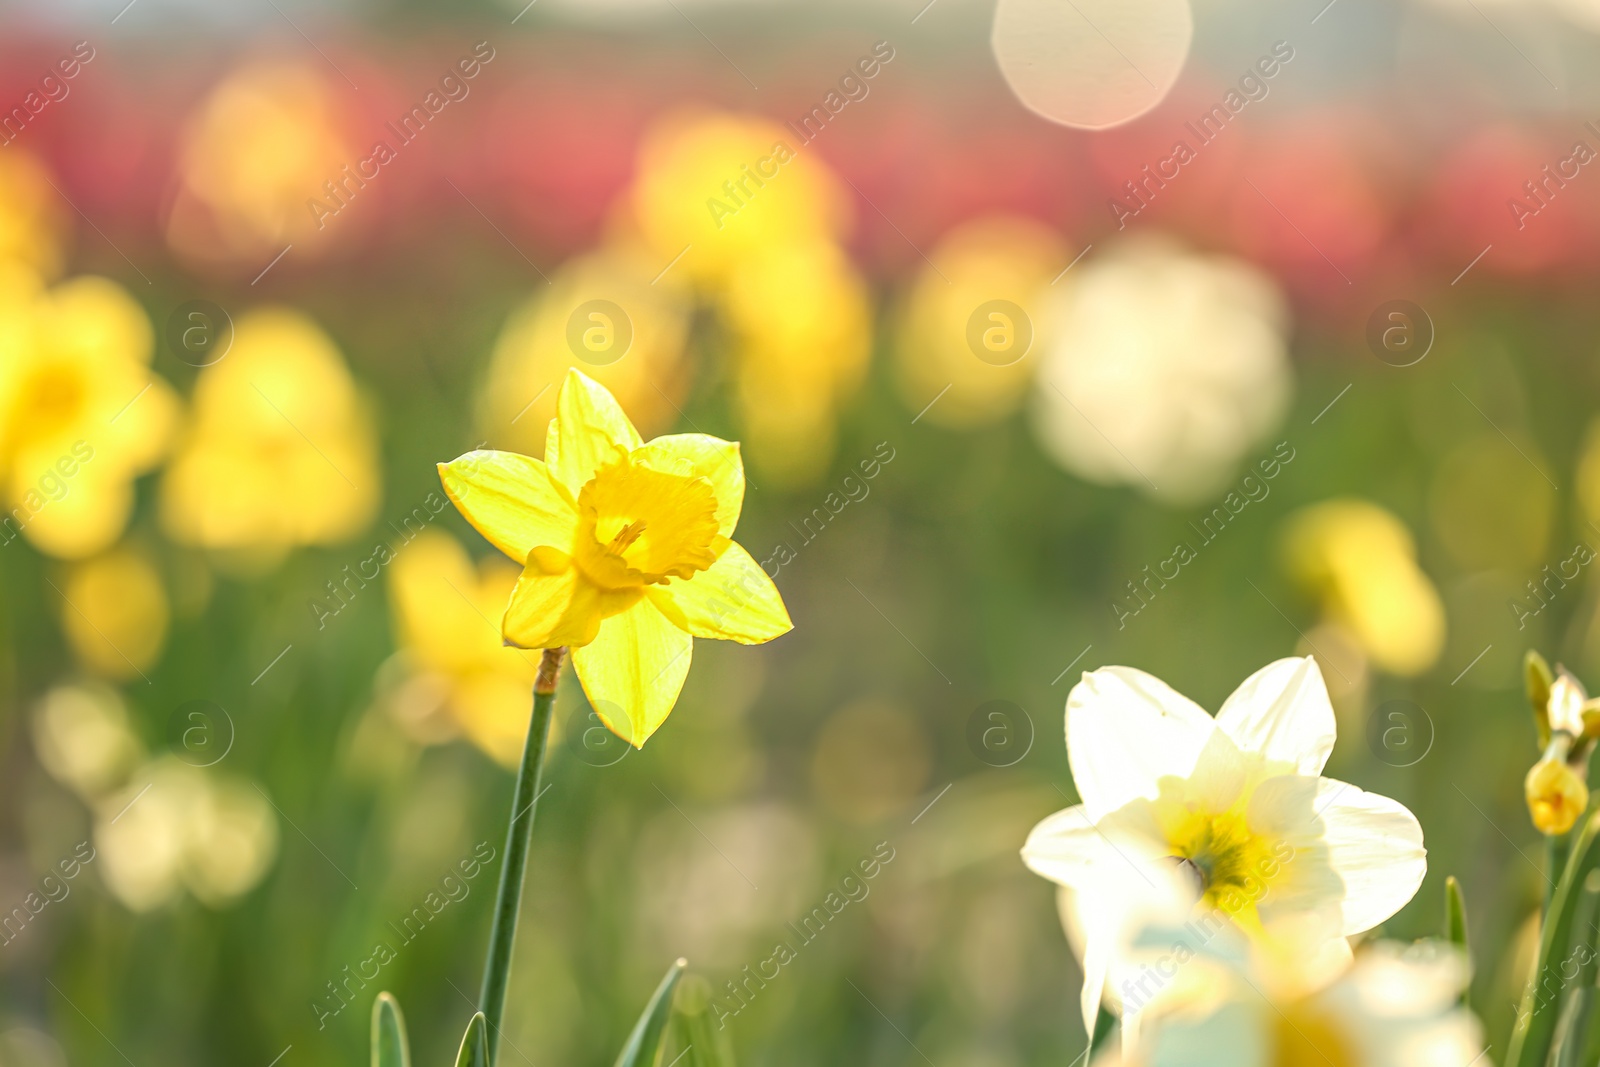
[
  {"x": 983, "y": 265},
  {"x": 176, "y": 827},
  {"x": 32, "y": 218},
  {"x": 801, "y": 321},
  {"x": 115, "y": 613},
  {"x": 80, "y": 413},
  {"x": 603, "y": 315},
  {"x": 281, "y": 452},
  {"x": 444, "y": 609},
  {"x": 626, "y": 551},
  {"x": 1362, "y": 562},
  {"x": 254, "y": 153},
  {"x": 716, "y": 188},
  {"x": 1165, "y": 367}
]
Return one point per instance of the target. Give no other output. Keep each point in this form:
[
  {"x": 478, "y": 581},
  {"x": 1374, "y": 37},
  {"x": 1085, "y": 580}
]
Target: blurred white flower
[
  {"x": 176, "y": 827},
  {"x": 83, "y": 740},
  {"x": 1395, "y": 1006},
  {"x": 1166, "y": 367}
]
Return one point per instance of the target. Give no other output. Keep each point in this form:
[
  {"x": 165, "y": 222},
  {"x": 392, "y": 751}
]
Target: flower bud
[
  {"x": 1538, "y": 678},
  {"x": 1556, "y": 795}
]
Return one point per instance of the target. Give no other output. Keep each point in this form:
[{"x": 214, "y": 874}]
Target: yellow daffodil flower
[
  {"x": 626, "y": 551},
  {"x": 1235, "y": 802},
  {"x": 81, "y": 415},
  {"x": 1556, "y": 794},
  {"x": 282, "y": 451}
]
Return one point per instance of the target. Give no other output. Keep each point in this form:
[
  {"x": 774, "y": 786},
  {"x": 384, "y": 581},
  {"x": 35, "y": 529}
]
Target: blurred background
[{"x": 1268, "y": 331}]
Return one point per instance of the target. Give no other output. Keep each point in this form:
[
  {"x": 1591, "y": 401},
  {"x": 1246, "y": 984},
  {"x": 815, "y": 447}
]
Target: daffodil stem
[
  {"x": 519, "y": 839},
  {"x": 1541, "y": 1004},
  {"x": 1556, "y": 849}
]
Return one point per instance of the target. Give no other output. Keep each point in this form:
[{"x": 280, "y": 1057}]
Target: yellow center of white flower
[
  {"x": 1233, "y": 863},
  {"x": 638, "y": 526},
  {"x": 1305, "y": 1036}
]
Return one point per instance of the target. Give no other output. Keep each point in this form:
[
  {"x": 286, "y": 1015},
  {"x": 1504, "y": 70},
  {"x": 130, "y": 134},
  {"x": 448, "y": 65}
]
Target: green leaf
[
  {"x": 474, "y": 1044},
  {"x": 1455, "y": 914},
  {"x": 1455, "y": 923},
  {"x": 1577, "y": 1040},
  {"x": 696, "y": 1037},
  {"x": 1536, "y": 1019},
  {"x": 389, "y": 1047},
  {"x": 645, "y": 1041}
]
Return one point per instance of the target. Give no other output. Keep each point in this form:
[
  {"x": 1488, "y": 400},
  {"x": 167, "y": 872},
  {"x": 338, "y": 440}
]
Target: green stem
[
  {"x": 1541, "y": 1002},
  {"x": 1556, "y": 848},
  {"x": 519, "y": 838}
]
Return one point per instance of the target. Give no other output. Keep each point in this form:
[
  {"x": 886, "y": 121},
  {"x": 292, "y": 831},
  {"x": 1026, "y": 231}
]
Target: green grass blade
[
  {"x": 645, "y": 1041},
  {"x": 474, "y": 1044},
  {"x": 1455, "y": 924},
  {"x": 701, "y": 1042},
  {"x": 389, "y": 1047}
]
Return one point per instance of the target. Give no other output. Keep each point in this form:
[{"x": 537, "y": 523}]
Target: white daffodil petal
[
  {"x": 1064, "y": 847},
  {"x": 1282, "y": 711},
  {"x": 1125, "y": 730},
  {"x": 1375, "y": 846},
  {"x": 1219, "y": 774}
]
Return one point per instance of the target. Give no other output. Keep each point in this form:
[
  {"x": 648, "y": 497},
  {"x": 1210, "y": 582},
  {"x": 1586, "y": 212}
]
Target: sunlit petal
[{"x": 733, "y": 601}]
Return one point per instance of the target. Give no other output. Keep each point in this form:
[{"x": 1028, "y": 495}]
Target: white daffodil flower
[
  {"x": 1236, "y": 807},
  {"x": 1394, "y": 1006}
]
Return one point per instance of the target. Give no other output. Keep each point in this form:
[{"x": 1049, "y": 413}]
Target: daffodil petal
[
  {"x": 511, "y": 500},
  {"x": 1126, "y": 729},
  {"x": 633, "y": 670},
  {"x": 733, "y": 600},
  {"x": 552, "y": 444},
  {"x": 591, "y": 428},
  {"x": 1375, "y": 846},
  {"x": 1064, "y": 847},
  {"x": 1282, "y": 711},
  {"x": 551, "y": 610},
  {"x": 699, "y": 455}
]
